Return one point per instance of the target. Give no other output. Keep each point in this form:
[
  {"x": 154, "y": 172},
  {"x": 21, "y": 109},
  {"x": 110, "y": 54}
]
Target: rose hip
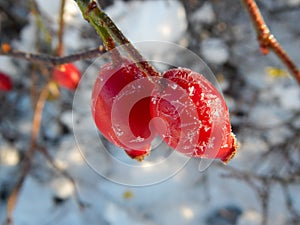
[
  {"x": 194, "y": 116},
  {"x": 67, "y": 76}
]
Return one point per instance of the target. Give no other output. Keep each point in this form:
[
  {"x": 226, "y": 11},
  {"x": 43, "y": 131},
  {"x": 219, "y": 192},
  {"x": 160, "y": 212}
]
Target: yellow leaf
[
  {"x": 53, "y": 91},
  {"x": 274, "y": 72},
  {"x": 127, "y": 194}
]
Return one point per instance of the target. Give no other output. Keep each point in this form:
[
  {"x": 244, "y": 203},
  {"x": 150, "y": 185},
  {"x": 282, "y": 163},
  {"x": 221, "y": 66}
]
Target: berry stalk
[{"x": 107, "y": 30}]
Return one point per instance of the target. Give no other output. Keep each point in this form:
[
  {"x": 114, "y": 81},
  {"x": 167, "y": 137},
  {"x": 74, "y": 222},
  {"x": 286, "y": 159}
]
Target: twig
[
  {"x": 49, "y": 158},
  {"x": 40, "y": 23},
  {"x": 53, "y": 60},
  {"x": 13, "y": 197},
  {"x": 60, "y": 47},
  {"x": 240, "y": 174},
  {"x": 266, "y": 39},
  {"x": 295, "y": 216}
]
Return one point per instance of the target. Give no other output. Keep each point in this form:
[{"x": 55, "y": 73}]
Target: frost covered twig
[
  {"x": 52, "y": 60},
  {"x": 266, "y": 39}
]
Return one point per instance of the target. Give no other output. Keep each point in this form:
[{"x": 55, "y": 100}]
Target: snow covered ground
[{"x": 166, "y": 188}]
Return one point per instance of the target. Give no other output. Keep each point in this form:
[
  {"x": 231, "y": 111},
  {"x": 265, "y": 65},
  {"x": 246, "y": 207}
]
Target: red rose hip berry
[
  {"x": 194, "y": 118},
  {"x": 120, "y": 107},
  {"x": 67, "y": 76},
  {"x": 5, "y": 82}
]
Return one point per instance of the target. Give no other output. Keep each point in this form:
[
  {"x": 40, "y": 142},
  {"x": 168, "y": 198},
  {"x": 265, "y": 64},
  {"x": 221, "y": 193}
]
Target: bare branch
[{"x": 53, "y": 60}]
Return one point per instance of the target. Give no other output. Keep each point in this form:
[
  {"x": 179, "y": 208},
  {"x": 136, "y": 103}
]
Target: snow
[
  {"x": 151, "y": 20},
  {"x": 204, "y": 15},
  {"x": 214, "y": 50},
  {"x": 9, "y": 156},
  {"x": 166, "y": 188}
]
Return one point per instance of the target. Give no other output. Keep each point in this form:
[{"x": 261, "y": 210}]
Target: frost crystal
[
  {"x": 173, "y": 86},
  {"x": 118, "y": 131},
  {"x": 191, "y": 91},
  {"x": 210, "y": 143},
  {"x": 137, "y": 140}
]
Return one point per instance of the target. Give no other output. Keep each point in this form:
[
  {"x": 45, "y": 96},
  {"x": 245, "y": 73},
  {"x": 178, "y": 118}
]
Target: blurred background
[{"x": 261, "y": 185}]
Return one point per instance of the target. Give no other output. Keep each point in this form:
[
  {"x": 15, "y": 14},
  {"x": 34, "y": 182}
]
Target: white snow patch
[
  {"x": 205, "y": 14},
  {"x": 62, "y": 187},
  {"x": 266, "y": 116},
  {"x": 278, "y": 135},
  {"x": 67, "y": 119},
  {"x": 34, "y": 203},
  {"x": 215, "y": 51},
  {"x": 289, "y": 97},
  {"x": 153, "y": 20},
  {"x": 8, "y": 156}
]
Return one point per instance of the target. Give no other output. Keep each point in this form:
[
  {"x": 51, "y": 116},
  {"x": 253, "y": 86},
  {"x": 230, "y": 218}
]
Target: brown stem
[
  {"x": 132, "y": 51},
  {"x": 53, "y": 60},
  {"x": 36, "y": 123},
  {"x": 267, "y": 40},
  {"x": 101, "y": 21},
  {"x": 108, "y": 41},
  {"x": 60, "y": 47}
]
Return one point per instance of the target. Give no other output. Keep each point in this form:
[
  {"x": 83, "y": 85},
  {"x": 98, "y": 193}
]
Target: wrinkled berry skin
[
  {"x": 194, "y": 118},
  {"x": 120, "y": 111},
  {"x": 5, "y": 82},
  {"x": 67, "y": 76}
]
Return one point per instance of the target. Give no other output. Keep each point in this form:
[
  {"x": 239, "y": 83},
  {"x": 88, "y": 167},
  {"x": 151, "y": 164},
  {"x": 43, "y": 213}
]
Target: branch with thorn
[{"x": 266, "y": 39}]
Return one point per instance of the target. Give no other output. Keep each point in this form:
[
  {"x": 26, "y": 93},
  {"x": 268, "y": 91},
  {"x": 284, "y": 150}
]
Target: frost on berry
[{"x": 195, "y": 115}]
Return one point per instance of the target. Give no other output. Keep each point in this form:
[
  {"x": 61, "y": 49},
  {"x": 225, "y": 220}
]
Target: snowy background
[{"x": 264, "y": 103}]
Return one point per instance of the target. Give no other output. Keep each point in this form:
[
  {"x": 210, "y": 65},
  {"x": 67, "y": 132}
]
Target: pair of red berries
[{"x": 181, "y": 106}]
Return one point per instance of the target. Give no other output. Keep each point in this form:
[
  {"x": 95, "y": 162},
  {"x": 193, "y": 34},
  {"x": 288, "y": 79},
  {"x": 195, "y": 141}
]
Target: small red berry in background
[
  {"x": 194, "y": 118},
  {"x": 121, "y": 110},
  {"x": 6, "y": 47},
  {"x": 5, "y": 82},
  {"x": 67, "y": 76}
]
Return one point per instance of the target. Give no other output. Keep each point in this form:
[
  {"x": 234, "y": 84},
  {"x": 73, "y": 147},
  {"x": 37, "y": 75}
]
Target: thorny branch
[{"x": 267, "y": 40}]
